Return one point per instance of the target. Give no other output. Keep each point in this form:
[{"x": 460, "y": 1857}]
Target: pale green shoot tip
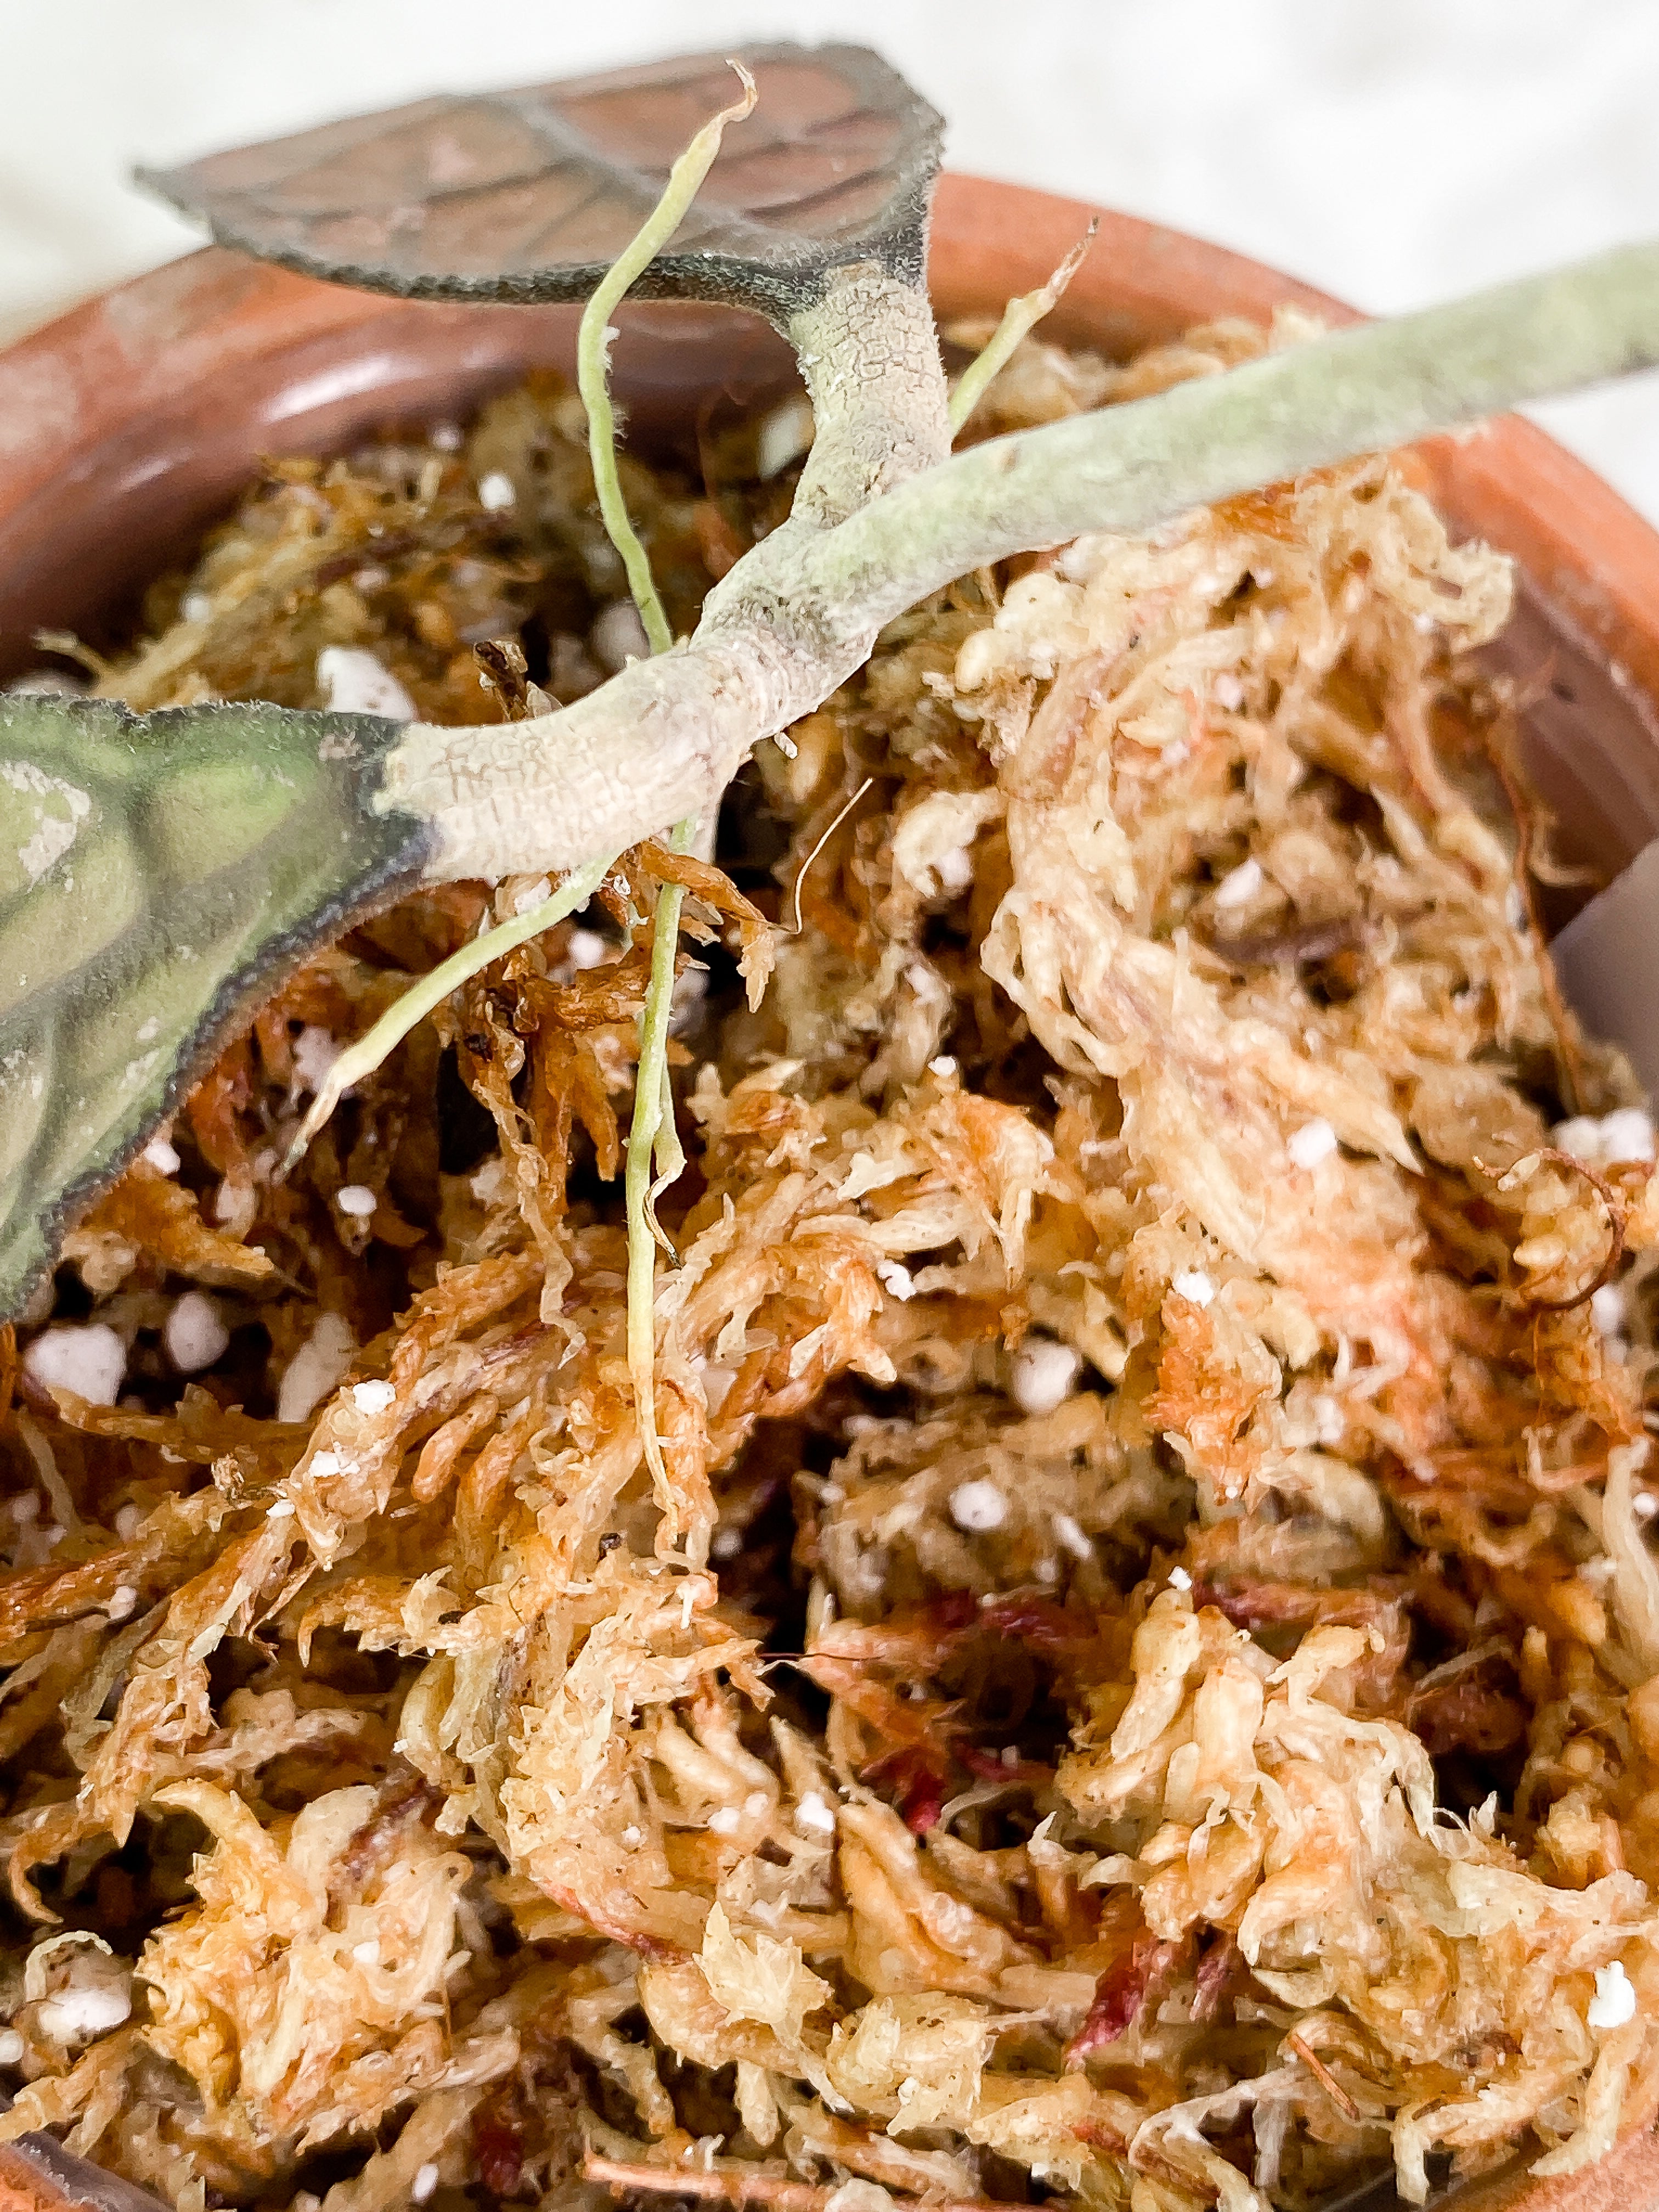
[
  {"x": 593, "y": 347},
  {"x": 1018, "y": 317}
]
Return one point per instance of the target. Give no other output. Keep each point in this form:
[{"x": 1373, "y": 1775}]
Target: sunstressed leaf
[
  {"x": 531, "y": 194},
  {"x": 155, "y": 871}
]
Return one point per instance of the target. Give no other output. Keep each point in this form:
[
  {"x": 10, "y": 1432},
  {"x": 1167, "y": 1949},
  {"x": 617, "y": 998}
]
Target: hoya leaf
[
  {"x": 155, "y": 872},
  {"x": 531, "y": 194}
]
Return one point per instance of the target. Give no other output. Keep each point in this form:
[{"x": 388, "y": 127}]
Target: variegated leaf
[{"x": 155, "y": 872}]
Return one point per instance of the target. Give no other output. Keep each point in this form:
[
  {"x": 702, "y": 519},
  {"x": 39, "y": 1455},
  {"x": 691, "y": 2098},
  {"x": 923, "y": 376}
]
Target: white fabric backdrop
[{"x": 1393, "y": 151}]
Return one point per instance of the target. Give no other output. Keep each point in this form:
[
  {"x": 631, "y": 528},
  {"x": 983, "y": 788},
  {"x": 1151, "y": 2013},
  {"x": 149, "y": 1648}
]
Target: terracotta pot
[{"x": 131, "y": 423}]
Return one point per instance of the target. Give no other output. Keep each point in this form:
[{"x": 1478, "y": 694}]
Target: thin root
[
  {"x": 801, "y": 874},
  {"x": 1322, "y": 2073}
]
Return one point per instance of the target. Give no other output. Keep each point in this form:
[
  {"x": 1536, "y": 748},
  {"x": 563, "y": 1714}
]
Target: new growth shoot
[
  {"x": 651, "y": 1134},
  {"x": 594, "y": 352},
  {"x": 1019, "y": 317}
]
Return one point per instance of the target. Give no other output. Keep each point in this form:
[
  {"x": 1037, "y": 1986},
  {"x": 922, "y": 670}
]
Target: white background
[{"x": 1393, "y": 151}]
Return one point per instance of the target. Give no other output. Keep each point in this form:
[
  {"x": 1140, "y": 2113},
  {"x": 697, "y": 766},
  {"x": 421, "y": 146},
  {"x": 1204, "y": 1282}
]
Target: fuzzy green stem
[{"x": 593, "y": 354}]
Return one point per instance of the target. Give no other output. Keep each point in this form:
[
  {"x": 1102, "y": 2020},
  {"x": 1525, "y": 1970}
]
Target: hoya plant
[{"x": 159, "y": 872}]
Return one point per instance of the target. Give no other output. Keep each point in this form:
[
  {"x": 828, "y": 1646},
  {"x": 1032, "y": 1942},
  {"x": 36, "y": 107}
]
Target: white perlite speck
[
  {"x": 1180, "y": 1579},
  {"x": 354, "y": 682},
  {"x": 1614, "y": 2001},
  {"x": 89, "y": 1358},
  {"x": 194, "y": 1334},
  {"x": 1240, "y": 885},
  {"x": 1609, "y": 1141},
  {"x": 1607, "y": 1310},
  {"x": 373, "y": 1398},
  {"x": 896, "y": 1280},
  {"x": 978, "y": 1506},
  {"x": 314, "y": 1054},
  {"x": 723, "y": 1819},
  {"x": 785, "y": 435},
  {"x": 495, "y": 491},
  {"x": 77, "y": 2015},
  {"x": 160, "y": 1154},
  {"x": 813, "y": 1812},
  {"x": 1045, "y": 1374},
  {"x": 11, "y": 2046},
  {"x": 1228, "y": 692},
  {"x": 1070, "y": 1534},
  {"x": 1193, "y": 1283},
  {"x": 588, "y": 949},
  {"x": 1314, "y": 1141},
  {"x": 425, "y": 2181},
  {"x": 356, "y": 1199}
]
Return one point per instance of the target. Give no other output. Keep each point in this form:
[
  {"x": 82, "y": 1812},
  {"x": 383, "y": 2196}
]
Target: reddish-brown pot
[{"x": 130, "y": 422}]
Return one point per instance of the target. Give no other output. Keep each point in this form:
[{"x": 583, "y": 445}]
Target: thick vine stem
[
  {"x": 798, "y": 614},
  {"x": 662, "y": 740},
  {"x": 880, "y": 409}
]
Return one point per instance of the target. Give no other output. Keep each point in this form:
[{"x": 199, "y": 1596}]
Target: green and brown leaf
[{"x": 155, "y": 871}]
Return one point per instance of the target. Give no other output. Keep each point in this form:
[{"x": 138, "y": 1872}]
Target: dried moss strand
[
  {"x": 593, "y": 354},
  {"x": 1019, "y": 317},
  {"x": 652, "y": 1106},
  {"x": 361, "y": 1059}
]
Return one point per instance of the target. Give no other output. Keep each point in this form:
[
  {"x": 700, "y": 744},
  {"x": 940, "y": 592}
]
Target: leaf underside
[
  {"x": 157, "y": 872},
  {"x": 531, "y": 194}
]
